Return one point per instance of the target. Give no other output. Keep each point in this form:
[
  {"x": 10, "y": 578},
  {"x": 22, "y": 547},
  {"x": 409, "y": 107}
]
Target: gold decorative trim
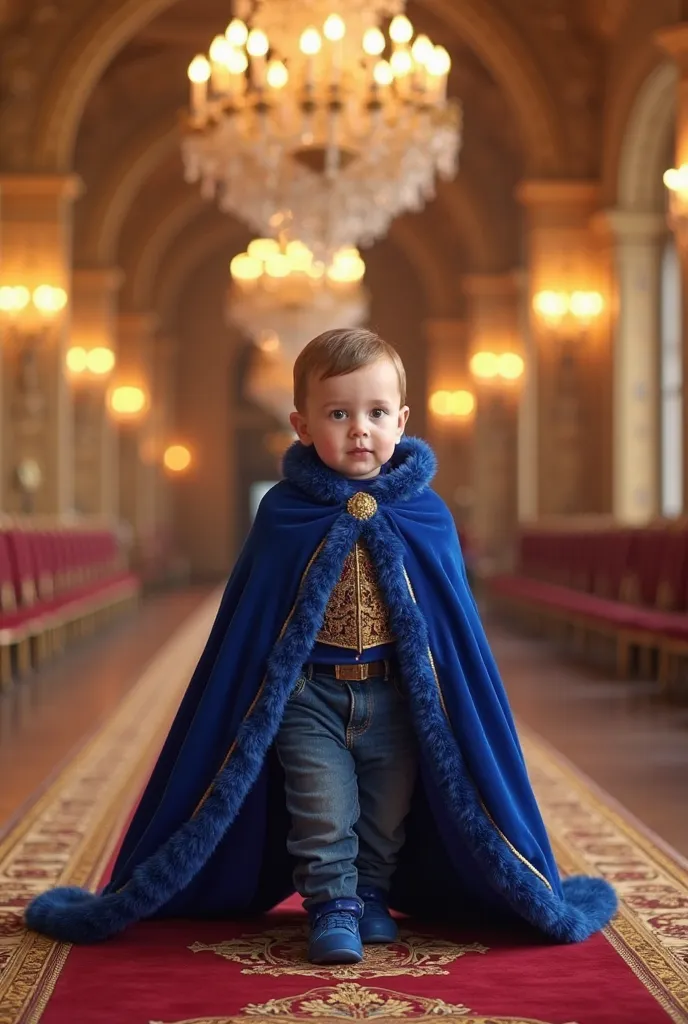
[
  {"x": 282, "y": 951},
  {"x": 494, "y": 824},
  {"x": 333, "y": 1004}
]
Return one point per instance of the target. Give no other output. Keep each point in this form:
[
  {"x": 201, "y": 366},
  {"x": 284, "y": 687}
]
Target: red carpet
[
  {"x": 257, "y": 972},
  {"x": 253, "y": 972}
]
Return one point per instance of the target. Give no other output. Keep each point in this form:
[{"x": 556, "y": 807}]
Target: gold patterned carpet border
[
  {"x": 334, "y": 1003},
  {"x": 68, "y": 836}
]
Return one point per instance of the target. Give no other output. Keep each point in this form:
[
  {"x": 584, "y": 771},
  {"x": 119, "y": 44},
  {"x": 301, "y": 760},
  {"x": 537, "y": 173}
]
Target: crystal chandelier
[
  {"x": 315, "y": 123},
  {"x": 282, "y": 290}
]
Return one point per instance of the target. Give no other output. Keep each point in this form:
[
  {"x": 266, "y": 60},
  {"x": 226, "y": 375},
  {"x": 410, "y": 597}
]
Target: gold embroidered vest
[{"x": 356, "y": 617}]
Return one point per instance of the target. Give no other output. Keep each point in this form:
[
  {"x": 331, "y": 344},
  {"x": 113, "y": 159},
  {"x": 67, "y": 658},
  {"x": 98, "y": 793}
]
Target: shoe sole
[{"x": 338, "y": 956}]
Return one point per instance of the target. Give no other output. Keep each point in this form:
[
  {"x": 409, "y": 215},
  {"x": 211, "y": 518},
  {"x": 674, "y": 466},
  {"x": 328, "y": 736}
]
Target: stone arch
[
  {"x": 646, "y": 140},
  {"x": 113, "y": 23},
  {"x": 111, "y": 200},
  {"x": 141, "y": 272}
]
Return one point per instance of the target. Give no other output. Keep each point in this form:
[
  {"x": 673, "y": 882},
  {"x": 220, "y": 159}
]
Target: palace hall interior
[{"x": 191, "y": 190}]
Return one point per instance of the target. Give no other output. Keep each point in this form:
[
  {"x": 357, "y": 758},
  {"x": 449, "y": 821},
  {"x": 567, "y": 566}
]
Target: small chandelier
[
  {"x": 306, "y": 121},
  {"x": 281, "y": 290}
]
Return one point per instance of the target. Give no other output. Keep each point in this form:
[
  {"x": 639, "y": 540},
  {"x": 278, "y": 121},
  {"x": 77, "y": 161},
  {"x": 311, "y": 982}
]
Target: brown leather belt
[{"x": 355, "y": 673}]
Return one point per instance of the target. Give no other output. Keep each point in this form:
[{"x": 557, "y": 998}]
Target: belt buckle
[{"x": 351, "y": 673}]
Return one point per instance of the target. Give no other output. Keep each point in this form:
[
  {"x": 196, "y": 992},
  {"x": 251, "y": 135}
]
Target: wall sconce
[
  {"x": 568, "y": 313},
  {"x": 94, "y": 364},
  {"x": 497, "y": 367},
  {"x": 30, "y": 310},
  {"x": 176, "y": 459},
  {"x": 452, "y": 405},
  {"x": 676, "y": 182},
  {"x": 127, "y": 403}
]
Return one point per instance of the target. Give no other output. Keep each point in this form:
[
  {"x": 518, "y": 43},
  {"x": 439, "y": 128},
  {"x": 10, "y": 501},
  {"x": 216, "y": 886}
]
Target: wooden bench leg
[
  {"x": 6, "y": 678},
  {"x": 623, "y": 656},
  {"x": 24, "y": 657}
]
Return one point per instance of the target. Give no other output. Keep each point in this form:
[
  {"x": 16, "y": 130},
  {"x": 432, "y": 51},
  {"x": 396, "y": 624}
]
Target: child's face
[{"x": 355, "y": 420}]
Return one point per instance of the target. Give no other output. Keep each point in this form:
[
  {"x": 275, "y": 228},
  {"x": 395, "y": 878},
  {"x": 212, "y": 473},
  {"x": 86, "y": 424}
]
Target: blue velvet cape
[{"x": 209, "y": 836}]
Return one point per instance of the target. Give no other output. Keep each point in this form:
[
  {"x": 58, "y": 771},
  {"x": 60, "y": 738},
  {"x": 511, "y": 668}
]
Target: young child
[
  {"x": 346, "y": 731},
  {"x": 346, "y": 741}
]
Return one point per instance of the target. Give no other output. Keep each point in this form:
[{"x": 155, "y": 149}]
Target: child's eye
[
  {"x": 337, "y": 414},
  {"x": 378, "y": 413}
]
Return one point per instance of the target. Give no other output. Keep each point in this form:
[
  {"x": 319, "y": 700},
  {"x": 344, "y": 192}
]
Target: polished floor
[{"x": 622, "y": 735}]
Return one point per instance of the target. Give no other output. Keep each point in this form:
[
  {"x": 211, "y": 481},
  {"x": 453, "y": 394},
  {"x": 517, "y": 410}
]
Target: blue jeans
[{"x": 350, "y": 760}]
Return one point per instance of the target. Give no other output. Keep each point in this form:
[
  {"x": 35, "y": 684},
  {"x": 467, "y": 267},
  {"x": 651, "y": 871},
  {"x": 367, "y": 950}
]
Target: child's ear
[
  {"x": 300, "y": 427},
  {"x": 401, "y": 423}
]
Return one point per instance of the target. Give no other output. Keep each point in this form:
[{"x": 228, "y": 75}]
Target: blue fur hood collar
[{"x": 408, "y": 473}]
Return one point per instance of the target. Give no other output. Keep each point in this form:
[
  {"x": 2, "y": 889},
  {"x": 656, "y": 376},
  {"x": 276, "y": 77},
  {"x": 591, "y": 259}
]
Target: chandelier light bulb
[
  {"x": 438, "y": 62},
  {"x": 310, "y": 42},
  {"x": 402, "y": 63},
  {"x": 257, "y": 43},
  {"x": 261, "y": 248},
  {"x": 400, "y": 29},
  {"x": 246, "y": 267},
  {"x": 237, "y": 62},
  {"x": 236, "y": 32},
  {"x": 334, "y": 28},
  {"x": 382, "y": 73},
  {"x": 277, "y": 74},
  {"x": 277, "y": 265},
  {"x": 199, "y": 69},
  {"x": 220, "y": 50},
  {"x": 422, "y": 49},
  {"x": 373, "y": 42}
]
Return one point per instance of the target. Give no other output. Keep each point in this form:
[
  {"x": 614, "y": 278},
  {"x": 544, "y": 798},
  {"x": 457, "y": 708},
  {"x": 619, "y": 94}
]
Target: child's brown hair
[{"x": 341, "y": 351}]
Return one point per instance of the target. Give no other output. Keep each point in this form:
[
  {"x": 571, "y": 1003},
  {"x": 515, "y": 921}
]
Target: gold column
[
  {"x": 674, "y": 41},
  {"x": 450, "y": 434},
  {"x": 36, "y": 461},
  {"x": 570, "y": 381},
  {"x": 94, "y": 325},
  {"x": 493, "y": 302},
  {"x": 137, "y": 471}
]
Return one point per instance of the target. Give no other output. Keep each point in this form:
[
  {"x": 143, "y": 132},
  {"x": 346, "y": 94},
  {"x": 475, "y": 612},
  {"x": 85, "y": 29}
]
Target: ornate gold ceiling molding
[{"x": 113, "y": 23}]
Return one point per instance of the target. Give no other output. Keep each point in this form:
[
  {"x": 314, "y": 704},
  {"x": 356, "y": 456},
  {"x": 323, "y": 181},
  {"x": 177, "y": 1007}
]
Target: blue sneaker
[
  {"x": 334, "y": 935},
  {"x": 377, "y": 924}
]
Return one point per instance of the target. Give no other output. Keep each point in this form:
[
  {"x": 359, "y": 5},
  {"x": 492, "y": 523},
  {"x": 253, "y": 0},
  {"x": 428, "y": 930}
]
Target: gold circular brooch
[{"x": 361, "y": 505}]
